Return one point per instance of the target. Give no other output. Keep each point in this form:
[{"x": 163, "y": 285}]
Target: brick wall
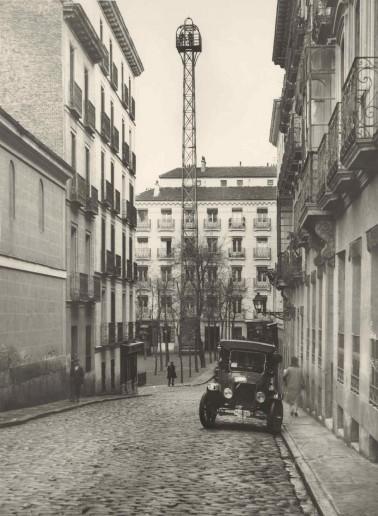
[{"x": 31, "y": 67}]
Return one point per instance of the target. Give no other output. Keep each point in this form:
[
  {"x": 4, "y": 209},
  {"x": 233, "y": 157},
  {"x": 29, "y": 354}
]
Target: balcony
[
  {"x": 306, "y": 206},
  {"x": 118, "y": 265},
  {"x": 236, "y": 255},
  {"x": 289, "y": 269},
  {"x": 322, "y": 23},
  {"x": 111, "y": 333},
  {"x": 359, "y": 113},
  {"x": 262, "y": 224},
  {"x": 117, "y": 203},
  {"x": 125, "y": 96},
  {"x": 79, "y": 191},
  {"x": 90, "y": 117},
  {"x": 165, "y": 254},
  {"x": 92, "y": 202},
  {"x": 76, "y": 100},
  {"x": 132, "y": 109},
  {"x": 125, "y": 154},
  {"x": 115, "y": 140},
  {"x": 293, "y": 148},
  {"x": 144, "y": 225},
  {"x": 120, "y": 332},
  {"x": 236, "y": 224},
  {"x": 114, "y": 77},
  {"x": 105, "y": 127},
  {"x": 129, "y": 213},
  {"x": 110, "y": 263},
  {"x": 79, "y": 287},
  {"x": 104, "y": 63},
  {"x": 109, "y": 195},
  {"x": 262, "y": 253},
  {"x": 166, "y": 224},
  {"x": 238, "y": 284},
  {"x": 261, "y": 284},
  {"x": 143, "y": 253},
  {"x": 94, "y": 288},
  {"x": 75, "y": 16},
  {"x": 132, "y": 165},
  {"x": 212, "y": 225},
  {"x": 129, "y": 270}
]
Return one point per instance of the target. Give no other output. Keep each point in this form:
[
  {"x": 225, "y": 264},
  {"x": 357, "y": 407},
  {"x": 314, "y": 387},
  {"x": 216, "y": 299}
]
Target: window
[
  {"x": 87, "y": 167},
  {"x": 212, "y": 244},
  {"x": 262, "y": 241},
  {"x": 142, "y": 273},
  {"x": 189, "y": 273},
  {"x": 373, "y": 396},
  {"x": 357, "y": 29},
  {"x": 212, "y": 214},
  {"x": 239, "y": 182},
  {"x": 237, "y": 214},
  {"x": 237, "y": 305},
  {"x": 166, "y": 244},
  {"x": 41, "y": 207},
  {"x": 237, "y": 245},
  {"x": 166, "y": 302},
  {"x": 73, "y": 249},
  {"x": 88, "y": 350},
  {"x": 87, "y": 253},
  {"x": 142, "y": 242},
  {"x": 223, "y": 182},
  {"x": 189, "y": 217},
  {"x": 143, "y": 302},
  {"x": 261, "y": 274},
  {"x": 270, "y": 182},
  {"x": 166, "y": 273},
  {"x": 236, "y": 274},
  {"x": 73, "y": 151},
  {"x": 166, "y": 215},
  {"x": 212, "y": 274},
  {"x": 341, "y": 310},
  {"x": 142, "y": 215},
  {"x": 12, "y": 191},
  {"x": 262, "y": 213}
]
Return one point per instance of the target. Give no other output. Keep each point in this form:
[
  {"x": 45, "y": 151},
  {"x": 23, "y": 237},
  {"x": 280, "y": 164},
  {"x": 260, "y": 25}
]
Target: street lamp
[{"x": 259, "y": 302}]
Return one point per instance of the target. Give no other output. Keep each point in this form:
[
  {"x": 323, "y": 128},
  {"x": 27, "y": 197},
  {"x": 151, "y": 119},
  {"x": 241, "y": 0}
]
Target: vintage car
[{"x": 245, "y": 384}]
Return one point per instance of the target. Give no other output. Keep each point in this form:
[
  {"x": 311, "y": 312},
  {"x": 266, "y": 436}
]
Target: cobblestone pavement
[{"x": 144, "y": 456}]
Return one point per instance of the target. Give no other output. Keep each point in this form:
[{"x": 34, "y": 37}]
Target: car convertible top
[{"x": 247, "y": 345}]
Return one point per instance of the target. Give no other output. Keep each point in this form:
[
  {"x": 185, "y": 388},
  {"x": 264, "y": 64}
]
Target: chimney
[
  {"x": 203, "y": 164},
  {"x": 156, "y": 189}
]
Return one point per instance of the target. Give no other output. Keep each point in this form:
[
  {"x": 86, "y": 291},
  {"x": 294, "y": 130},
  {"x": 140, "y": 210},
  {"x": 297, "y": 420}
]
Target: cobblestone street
[{"x": 142, "y": 456}]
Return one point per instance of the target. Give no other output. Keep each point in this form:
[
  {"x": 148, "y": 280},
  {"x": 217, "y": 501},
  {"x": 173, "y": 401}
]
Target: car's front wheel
[
  {"x": 207, "y": 412},
  {"x": 275, "y": 417}
]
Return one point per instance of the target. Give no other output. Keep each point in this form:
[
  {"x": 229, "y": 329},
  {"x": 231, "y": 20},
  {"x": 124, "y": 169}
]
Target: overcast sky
[{"x": 236, "y": 82}]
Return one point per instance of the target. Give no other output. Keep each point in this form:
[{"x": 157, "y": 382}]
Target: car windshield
[{"x": 247, "y": 360}]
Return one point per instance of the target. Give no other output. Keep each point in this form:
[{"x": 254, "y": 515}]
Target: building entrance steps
[{"x": 341, "y": 481}]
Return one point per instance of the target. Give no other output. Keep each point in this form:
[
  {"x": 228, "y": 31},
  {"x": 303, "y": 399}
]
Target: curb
[
  {"x": 26, "y": 419},
  {"x": 318, "y": 492}
]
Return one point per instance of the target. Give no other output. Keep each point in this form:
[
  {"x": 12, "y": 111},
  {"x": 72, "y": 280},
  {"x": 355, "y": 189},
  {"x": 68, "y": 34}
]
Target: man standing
[
  {"x": 293, "y": 380},
  {"x": 77, "y": 379},
  {"x": 171, "y": 374}
]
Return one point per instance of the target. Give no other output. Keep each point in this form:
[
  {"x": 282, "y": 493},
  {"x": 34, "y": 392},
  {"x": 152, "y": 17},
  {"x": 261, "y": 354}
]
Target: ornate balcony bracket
[{"x": 325, "y": 231}]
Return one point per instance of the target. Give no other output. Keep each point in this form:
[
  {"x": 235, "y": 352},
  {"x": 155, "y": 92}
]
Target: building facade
[
  {"x": 75, "y": 88},
  {"x": 236, "y": 222},
  {"x": 33, "y": 272},
  {"x": 327, "y": 212}
]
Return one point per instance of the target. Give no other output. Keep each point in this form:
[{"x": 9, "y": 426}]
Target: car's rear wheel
[
  {"x": 275, "y": 417},
  {"x": 207, "y": 412}
]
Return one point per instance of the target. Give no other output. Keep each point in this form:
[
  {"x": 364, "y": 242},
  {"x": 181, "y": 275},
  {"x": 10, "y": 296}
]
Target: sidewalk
[
  {"x": 341, "y": 481},
  {"x": 23, "y": 415}
]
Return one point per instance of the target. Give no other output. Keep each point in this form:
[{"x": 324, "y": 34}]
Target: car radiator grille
[{"x": 245, "y": 393}]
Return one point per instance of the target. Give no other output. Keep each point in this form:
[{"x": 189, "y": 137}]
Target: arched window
[
  {"x": 41, "y": 207},
  {"x": 12, "y": 190}
]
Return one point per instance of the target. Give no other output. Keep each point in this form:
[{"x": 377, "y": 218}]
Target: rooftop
[
  {"x": 218, "y": 172},
  {"x": 214, "y": 193}
]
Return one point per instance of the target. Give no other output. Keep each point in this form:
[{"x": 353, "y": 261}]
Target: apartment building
[
  {"x": 236, "y": 220},
  {"x": 325, "y": 126},
  {"x": 69, "y": 76},
  {"x": 32, "y": 268}
]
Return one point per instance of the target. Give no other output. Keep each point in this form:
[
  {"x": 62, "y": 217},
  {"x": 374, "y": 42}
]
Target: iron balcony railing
[
  {"x": 92, "y": 202},
  {"x": 261, "y": 284},
  {"x": 212, "y": 224},
  {"x": 105, "y": 127},
  {"x": 360, "y": 104},
  {"x": 132, "y": 109},
  {"x": 308, "y": 188},
  {"x": 289, "y": 268},
  {"x": 262, "y": 253},
  {"x": 125, "y": 153},
  {"x": 334, "y": 142},
  {"x": 166, "y": 224},
  {"x": 115, "y": 140},
  {"x": 240, "y": 253},
  {"x": 76, "y": 99},
  {"x": 143, "y": 253},
  {"x": 79, "y": 190},
  {"x": 129, "y": 213},
  {"x": 114, "y": 77},
  {"x": 238, "y": 284},
  {"x": 94, "y": 287},
  {"x": 125, "y": 96},
  {"x": 117, "y": 202},
  {"x": 264, "y": 223},
  {"x": 236, "y": 223},
  {"x": 144, "y": 225},
  {"x": 166, "y": 254},
  {"x": 90, "y": 117},
  {"x": 110, "y": 263},
  {"x": 79, "y": 286},
  {"x": 118, "y": 265}
]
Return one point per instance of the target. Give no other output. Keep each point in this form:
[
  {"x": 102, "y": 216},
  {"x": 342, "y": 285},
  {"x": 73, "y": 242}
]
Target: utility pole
[{"x": 189, "y": 46}]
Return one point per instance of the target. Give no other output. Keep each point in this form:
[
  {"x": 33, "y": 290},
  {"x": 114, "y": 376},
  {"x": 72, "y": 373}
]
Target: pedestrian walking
[
  {"x": 76, "y": 380},
  {"x": 293, "y": 380},
  {"x": 171, "y": 374}
]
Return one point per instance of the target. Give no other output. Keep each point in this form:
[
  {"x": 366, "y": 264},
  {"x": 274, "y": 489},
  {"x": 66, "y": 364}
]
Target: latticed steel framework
[{"x": 189, "y": 46}]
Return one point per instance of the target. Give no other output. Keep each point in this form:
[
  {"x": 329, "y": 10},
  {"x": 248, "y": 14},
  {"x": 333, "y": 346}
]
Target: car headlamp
[
  {"x": 260, "y": 397},
  {"x": 227, "y": 393}
]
